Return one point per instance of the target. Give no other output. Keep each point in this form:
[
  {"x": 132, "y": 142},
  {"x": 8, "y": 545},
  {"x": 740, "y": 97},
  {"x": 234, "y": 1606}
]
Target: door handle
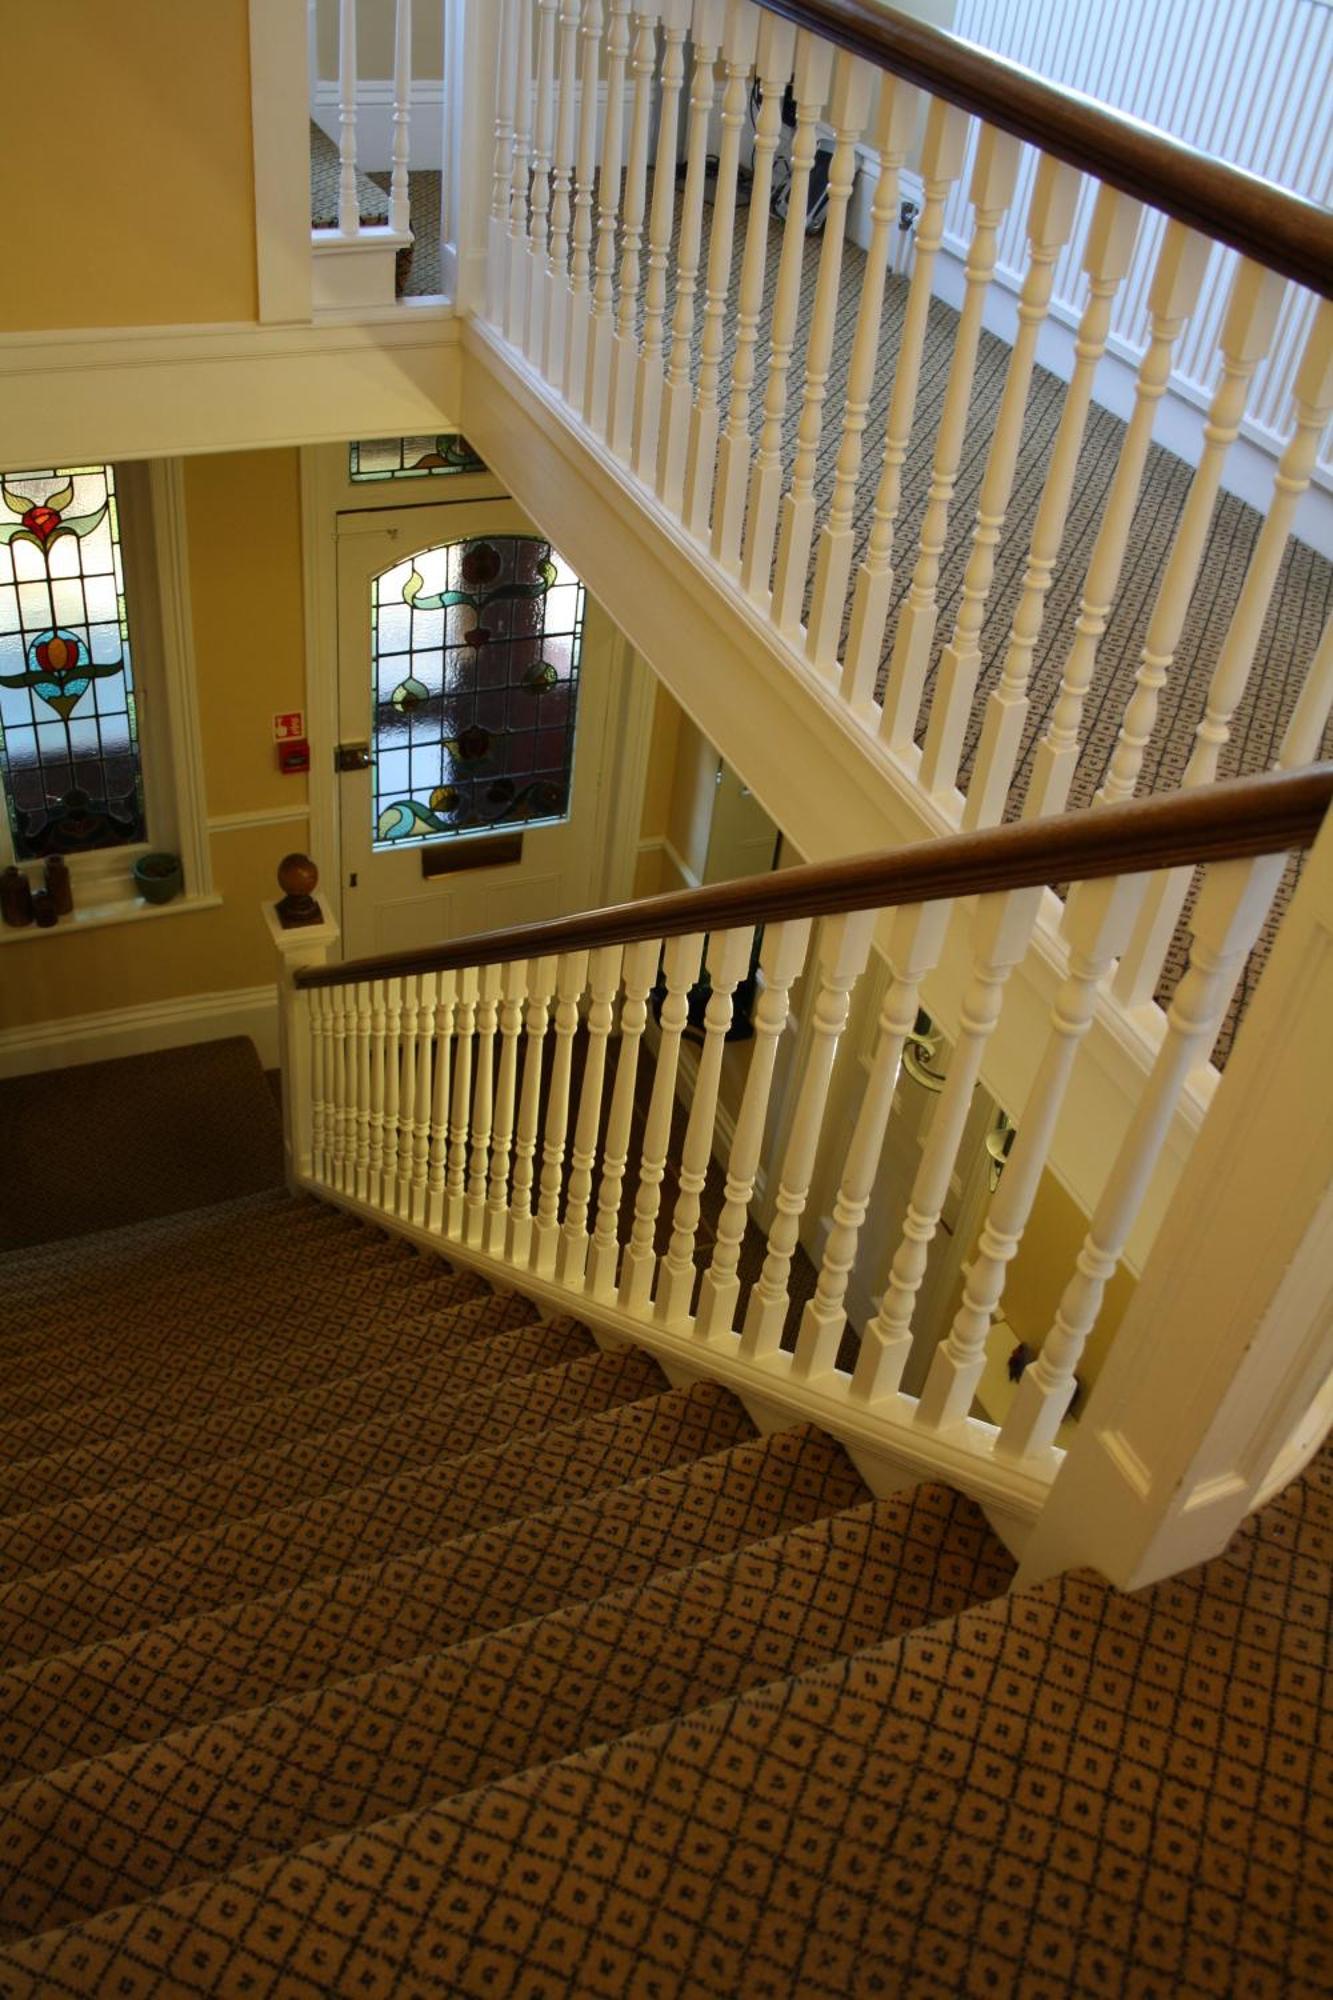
[{"x": 352, "y": 757}]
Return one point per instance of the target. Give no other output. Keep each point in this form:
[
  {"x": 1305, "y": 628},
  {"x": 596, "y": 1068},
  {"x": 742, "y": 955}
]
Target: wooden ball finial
[{"x": 297, "y": 878}]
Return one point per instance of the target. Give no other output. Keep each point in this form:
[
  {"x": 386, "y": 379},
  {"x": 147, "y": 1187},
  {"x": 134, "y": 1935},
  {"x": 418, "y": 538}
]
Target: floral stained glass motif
[
  {"x": 69, "y": 745},
  {"x": 411, "y": 457},
  {"x": 476, "y": 662}
]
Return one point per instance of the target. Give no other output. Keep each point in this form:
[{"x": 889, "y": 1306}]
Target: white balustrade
[
  {"x": 516, "y": 310},
  {"x": 680, "y": 965},
  {"x": 506, "y": 87},
  {"x": 640, "y": 970},
  {"x": 422, "y": 1099},
  {"x": 349, "y": 208},
  {"x": 651, "y": 369},
  {"x": 400, "y": 199},
  {"x": 445, "y": 1000},
  {"x": 409, "y": 1031},
  {"x": 539, "y": 209},
  {"x": 549, "y": 345},
  {"x": 601, "y": 331},
  {"x": 490, "y": 981},
  {"x": 378, "y": 1038},
  {"x": 513, "y": 989},
  {"x": 393, "y": 1015},
  {"x": 465, "y": 1017},
  {"x": 625, "y": 356},
  {"x": 361, "y": 1026},
  {"x": 676, "y": 400},
  {"x": 580, "y": 268},
  {"x": 570, "y": 981},
  {"x": 318, "y": 1012},
  {"x": 603, "y": 982},
  {"x": 541, "y": 985}
]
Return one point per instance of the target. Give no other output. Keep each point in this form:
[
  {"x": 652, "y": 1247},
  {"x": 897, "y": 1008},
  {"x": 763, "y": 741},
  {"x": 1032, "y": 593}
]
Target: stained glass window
[
  {"x": 69, "y": 744},
  {"x": 413, "y": 457},
  {"x": 476, "y": 664}
]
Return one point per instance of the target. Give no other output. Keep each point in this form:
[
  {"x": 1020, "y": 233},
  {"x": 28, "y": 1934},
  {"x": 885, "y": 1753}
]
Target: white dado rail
[{"x": 441, "y": 1094}]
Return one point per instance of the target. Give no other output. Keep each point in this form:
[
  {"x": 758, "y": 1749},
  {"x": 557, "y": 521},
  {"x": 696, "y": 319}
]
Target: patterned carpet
[{"x": 363, "y": 1633}]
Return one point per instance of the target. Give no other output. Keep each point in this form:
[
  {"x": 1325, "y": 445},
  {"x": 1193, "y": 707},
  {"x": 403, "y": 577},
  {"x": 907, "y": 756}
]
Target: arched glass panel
[{"x": 475, "y": 652}]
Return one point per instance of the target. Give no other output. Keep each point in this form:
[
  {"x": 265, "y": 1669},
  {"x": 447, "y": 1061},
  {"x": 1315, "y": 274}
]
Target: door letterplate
[{"x": 352, "y": 757}]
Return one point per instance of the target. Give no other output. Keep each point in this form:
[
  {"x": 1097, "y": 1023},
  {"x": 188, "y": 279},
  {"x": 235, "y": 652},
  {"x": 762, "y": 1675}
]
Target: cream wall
[
  {"x": 374, "y": 38},
  {"x": 243, "y": 520},
  {"x": 130, "y": 184}
]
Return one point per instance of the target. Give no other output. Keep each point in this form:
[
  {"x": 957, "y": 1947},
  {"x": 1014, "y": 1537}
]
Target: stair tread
[
  {"x": 607, "y": 1423},
  {"x": 76, "y": 1705},
  {"x": 326, "y": 1761}
]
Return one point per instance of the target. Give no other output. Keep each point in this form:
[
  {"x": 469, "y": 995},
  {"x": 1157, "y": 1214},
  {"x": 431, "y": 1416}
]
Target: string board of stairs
[{"x": 362, "y": 1632}]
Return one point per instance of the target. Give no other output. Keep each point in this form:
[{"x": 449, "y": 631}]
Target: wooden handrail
[
  {"x": 1277, "y": 228},
  {"x": 1276, "y": 812}
]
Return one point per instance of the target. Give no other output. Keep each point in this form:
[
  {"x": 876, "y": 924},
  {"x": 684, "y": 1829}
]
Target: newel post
[
  {"x": 304, "y": 934},
  {"x": 1228, "y": 1343}
]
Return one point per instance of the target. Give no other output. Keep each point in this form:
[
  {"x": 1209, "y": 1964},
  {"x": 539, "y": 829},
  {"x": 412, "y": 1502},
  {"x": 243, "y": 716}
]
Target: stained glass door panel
[{"x": 478, "y": 675}]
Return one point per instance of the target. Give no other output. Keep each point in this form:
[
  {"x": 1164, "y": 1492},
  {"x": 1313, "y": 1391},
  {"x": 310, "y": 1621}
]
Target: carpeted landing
[{"x": 363, "y": 1632}]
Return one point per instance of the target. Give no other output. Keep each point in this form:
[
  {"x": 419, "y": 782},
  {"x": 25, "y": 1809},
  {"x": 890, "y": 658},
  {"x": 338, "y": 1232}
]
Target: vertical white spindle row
[
  {"x": 456, "y": 1176},
  {"x": 393, "y": 1015},
  {"x": 849, "y": 108},
  {"x": 378, "y": 1037},
  {"x": 625, "y": 355},
  {"x": 1107, "y": 252},
  {"x": 917, "y": 939},
  {"x": 740, "y": 42},
  {"x": 555, "y": 290},
  {"x": 1001, "y": 929},
  {"x": 349, "y": 208},
  {"x": 585, "y": 169},
  {"x": 942, "y": 152},
  {"x": 506, "y": 85},
  {"x": 649, "y": 377},
  {"x": 675, "y": 423},
  {"x": 640, "y": 969},
  {"x": 601, "y": 333},
  {"x": 727, "y": 959},
  {"x": 603, "y": 981},
  {"x": 894, "y": 129},
  {"x": 426, "y": 1014},
  {"x": 680, "y": 965},
  {"x": 400, "y": 200},
  {"x": 993, "y": 176},
  {"x": 1177, "y": 276},
  {"x": 445, "y": 998},
  {"x": 341, "y": 1095},
  {"x": 1055, "y": 196},
  {"x": 810, "y": 86},
  {"x": 541, "y": 985},
  {"x": 361, "y": 1082},
  {"x": 570, "y": 980},
  {"x": 840, "y": 958},
  {"x": 513, "y": 988},
  {"x": 516, "y": 320},
  {"x": 489, "y": 980},
  {"x": 1314, "y": 703},
  {"x": 782, "y": 956},
  {"x": 319, "y": 1082},
  {"x": 539, "y": 234},
  {"x": 1231, "y": 908},
  {"x": 408, "y": 1033}
]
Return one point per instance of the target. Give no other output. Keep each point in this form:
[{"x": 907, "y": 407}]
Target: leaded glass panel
[
  {"x": 69, "y": 742},
  {"x": 412, "y": 457},
  {"x": 476, "y": 662}
]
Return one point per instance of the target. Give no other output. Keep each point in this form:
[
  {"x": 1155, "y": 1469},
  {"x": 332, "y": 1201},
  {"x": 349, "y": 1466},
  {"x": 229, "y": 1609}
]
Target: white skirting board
[{"x": 136, "y": 1031}]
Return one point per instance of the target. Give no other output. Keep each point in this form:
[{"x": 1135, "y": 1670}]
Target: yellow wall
[
  {"x": 243, "y": 518},
  {"x": 130, "y": 196}
]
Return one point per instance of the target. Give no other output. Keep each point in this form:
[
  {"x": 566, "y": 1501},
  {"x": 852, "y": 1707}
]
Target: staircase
[{"x": 365, "y": 1631}]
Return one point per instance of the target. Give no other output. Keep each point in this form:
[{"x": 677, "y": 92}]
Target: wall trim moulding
[
  {"x": 151, "y": 392},
  {"x": 262, "y": 816},
  {"x": 136, "y": 1031}
]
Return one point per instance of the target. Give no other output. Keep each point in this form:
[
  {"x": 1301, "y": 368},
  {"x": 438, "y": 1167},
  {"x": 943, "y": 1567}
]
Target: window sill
[{"x": 95, "y": 916}]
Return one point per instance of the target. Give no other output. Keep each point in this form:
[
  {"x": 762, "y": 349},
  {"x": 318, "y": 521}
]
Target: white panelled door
[{"x": 459, "y": 632}]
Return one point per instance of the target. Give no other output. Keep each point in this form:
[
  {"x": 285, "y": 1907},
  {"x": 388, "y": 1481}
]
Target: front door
[{"x": 474, "y": 688}]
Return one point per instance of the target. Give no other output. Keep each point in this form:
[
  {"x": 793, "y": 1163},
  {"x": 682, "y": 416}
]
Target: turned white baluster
[
  {"x": 571, "y": 978},
  {"x": 810, "y": 86},
  {"x": 1096, "y": 923},
  {"x": 840, "y": 959},
  {"x": 676, "y": 399},
  {"x": 1309, "y": 718},
  {"x": 360, "y": 1080},
  {"x": 1055, "y": 195},
  {"x": 894, "y": 129},
  {"x": 319, "y": 1082},
  {"x": 513, "y": 987},
  {"x": 993, "y": 176},
  {"x": 341, "y": 1149},
  {"x": 942, "y": 153},
  {"x": 916, "y": 942},
  {"x": 1247, "y": 329},
  {"x": 393, "y": 1019},
  {"x": 516, "y": 317},
  {"x": 1177, "y": 276},
  {"x": 776, "y": 55},
  {"x": 625, "y": 358},
  {"x": 853, "y": 81},
  {"x": 400, "y": 200},
  {"x": 603, "y": 981},
  {"x": 407, "y": 1096},
  {"x": 425, "y": 1075},
  {"x": 465, "y": 1017},
  {"x": 1227, "y": 918},
  {"x": 649, "y": 380},
  {"x": 580, "y": 271},
  {"x": 378, "y": 1024},
  {"x": 349, "y": 208},
  {"x": 1312, "y": 390},
  {"x": 506, "y": 87},
  {"x": 601, "y": 331},
  {"x": 640, "y": 970},
  {"x": 781, "y": 958},
  {"x": 680, "y": 959},
  {"x": 738, "y": 53},
  {"x": 539, "y": 233},
  {"x": 1001, "y": 929},
  {"x": 556, "y": 288},
  {"x": 1107, "y": 251},
  {"x": 489, "y": 983},
  {"x": 727, "y": 960},
  {"x": 541, "y": 985},
  {"x": 445, "y": 998}
]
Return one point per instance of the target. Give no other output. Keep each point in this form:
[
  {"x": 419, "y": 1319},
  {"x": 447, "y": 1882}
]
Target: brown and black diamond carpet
[{"x": 362, "y": 1632}]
